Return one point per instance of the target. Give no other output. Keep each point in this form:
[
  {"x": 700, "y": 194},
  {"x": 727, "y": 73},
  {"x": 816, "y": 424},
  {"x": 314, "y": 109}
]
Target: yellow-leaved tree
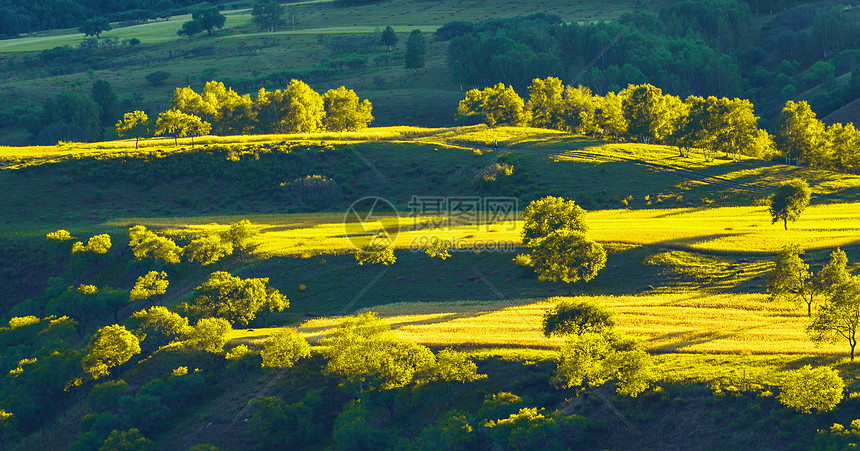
[{"x": 111, "y": 346}]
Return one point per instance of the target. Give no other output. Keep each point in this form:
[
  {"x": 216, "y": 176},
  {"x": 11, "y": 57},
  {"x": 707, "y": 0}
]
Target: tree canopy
[
  {"x": 543, "y": 216},
  {"x": 567, "y": 256},
  {"x": 791, "y": 198},
  {"x": 576, "y": 317},
  {"x": 235, "y": 299},
  {"x": 111, "y": 346},
  {"x": 282, "y": 348},
  {"x": 268, "y": 15},
  {"x": 95, "y": 27},
  {"x": 808, "y": 389}
]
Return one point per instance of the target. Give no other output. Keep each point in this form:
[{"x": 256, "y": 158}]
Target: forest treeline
[
  {"x": 76, "y": 116},
  {"x": 692, "y": 47},
  {"x": 23, "y": 16},
  {"x": 644, "y": 113}
]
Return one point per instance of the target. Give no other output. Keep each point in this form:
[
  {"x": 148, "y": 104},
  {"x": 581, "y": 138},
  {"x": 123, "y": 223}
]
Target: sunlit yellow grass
[
  {"x": 677, "y": 323},
  {"x": 726, "y": 229}
]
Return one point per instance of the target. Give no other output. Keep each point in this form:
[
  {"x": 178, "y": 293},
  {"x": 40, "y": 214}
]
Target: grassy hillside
[{"x": 689, "y": 245}]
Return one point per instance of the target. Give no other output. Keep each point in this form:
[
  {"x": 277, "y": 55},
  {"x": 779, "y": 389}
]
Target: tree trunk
[{"x": 785, "y": 222}]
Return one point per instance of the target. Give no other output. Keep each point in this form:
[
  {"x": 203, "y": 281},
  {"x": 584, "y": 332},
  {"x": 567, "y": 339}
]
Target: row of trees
[
  {"x": 639, "y": 112},
  {"x": 644, "y": 113},
  {"x": 838, "y": 317},
  {"x": 805, "y": 140},
  {"x": 222, "y": 111}
]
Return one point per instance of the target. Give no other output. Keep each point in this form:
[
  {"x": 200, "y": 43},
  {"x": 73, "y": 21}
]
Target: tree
[
  {"x": 573, "y": 316},
  {"x": 835, "y": 272},
  {"x": 158, "y": 326},
  {"x": 546, "y": 103},
  {"x": 367, "y": 355},
  {"x": 239, "y": 235},
  {"x": 496, "y": 105},
  {"x": 207, "y": 248},
  {"x": 95, "y": 27},
  {"x": 838, "y": 437},
  {"x": 135, "y": 124},
  {"x": 99, "y": 244},
  {"x": 594, "y": 358},
  {"x": 203, "y": 19},
  {"x": 800, "y": 135},
  {"x": 543, "y": 216},
  {"x": 567, "y": 256},
  {"x": 235, "y": 299},
  {"x": 7, "y": 427},
  {"x": 839, "y": 317},
  {"x": 179, "y": 124},
  {"x": 268, "y": 15},
  {"x": 344, "y": 112},
  {"x": 111, "y": 346},
  {"x": 151, "y": 284},
  {"x": 791, "y": 198},
  {"x": 147, "y": 244},
  {"x": 68, "y": 116},
  {"x": 283, "y": 348},
  {"x": 209, "y": 334},
  {"x": 791, "y": 279},
  {"x": 130, "y": 440},
  {"x": 157, "y": 78},
  {"x": 380, "y": 250},
  {"x": 811, "y": 388},
  {"x": 389, "y": 37},
  {"x": 609, "y": 115},
  {"x": 105, "y": 97},
  {"x": 455, "y": 366},
  {"x": 416, "y": 48}
]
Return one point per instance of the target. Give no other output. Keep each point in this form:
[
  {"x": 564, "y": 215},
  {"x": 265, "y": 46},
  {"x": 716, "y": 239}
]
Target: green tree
[
  {"x": 104, "y": 95},
  {"x": 844, "y": 140},
  {"x": 344, "y": 112},
  {"x": 839, "y": 316},
  {"x": 207, "y": 248},
  {"x": 455, "y": 366},
  {"x": 609, "y": 115},
  {"x": 147, "y": 244},
  {"x": 209, "y": 334},
  {"x": 575, "y": 317},
  {"x": 578, "y": 111},
  {"x": 104, "y": 396},
  {"x": 809, "y": 389},
  {"x": 416, "y": 48},
  {"x": 235, "y": 299},
  {"x": 595, "y": 358},
  {"x": 268, "y": 15},
  {"x": 95, "y": 27},
  {"x": 111, "y": 346},
  {"x": 130, "y": 440},
  {"x": 278, "y": 424},
  {"x": 546, "y": 104},
  {"x": 8, "y": 424},
  {"x": 151, "y": 284},
  {"x": 240, "y": 235},
  {"x": 179, "y": 124},
  {"x": 378, "y": 251},
  {"x": 135, "y": 124},
  {"x": 452, "y": 431},
  {"x": 652, "y": 116},
  {"x": 158, "y": 326},
  {"x": 838, "y": 437},
  {"x": 203, "y": 19},
  {"x": 543, "y": 216},
  {"x": 791, "y": 198},
  {"x": 368, "y": 356},
  {"x": 801, "y": 135},
  {"x": 834, "y": 272},
  {"x": 99, "y": 244},
  {"x": 496, "y": 105},
  {"x": 567, "y": 256},
  {"x": 68, "y": 116},
  {"x": 389, "y": 37},
  {"x": 791, "y": 278},
  {"x": 282, "y": 348}
]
